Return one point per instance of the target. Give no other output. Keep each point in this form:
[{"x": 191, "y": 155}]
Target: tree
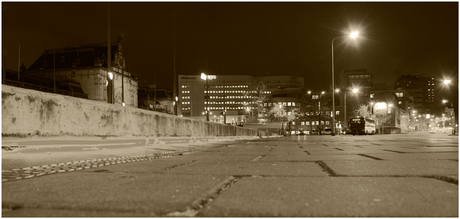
[
  {"x": 256, "y": 96},
  {"x": 363, "y": 110}
]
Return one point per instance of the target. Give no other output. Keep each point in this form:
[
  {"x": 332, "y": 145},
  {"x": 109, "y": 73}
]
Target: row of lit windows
[
  {"x": 230, "y": 108},
  {"x": 229, "y": 102},
  {"x": 185, "y": 103},
  {"x": 185, "y": 86},
  {"x": 185, "y": 97},
  {"x": 185, "y": 108},
  {"x": 227, "y": 97},
  {"x": 312, "y": 123},
  {"x": 281, "y": 103},
  {"x": 229, "y": 91},
  {"x": 359, "y": 76},
  {"x": 185, "y": 91},
  {"x": 229, "y": 86}
]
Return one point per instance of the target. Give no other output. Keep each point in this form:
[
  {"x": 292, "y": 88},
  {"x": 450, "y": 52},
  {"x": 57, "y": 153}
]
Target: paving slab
[
  {"x": 401, "y": 167},
  {"x": 137, "y": 193},
  {"x": 307, "y": 157},
  {"x": 415, "y": 156},
  {"x": 336, "y": 197},
  {"x": 149, "y": 166},
  {"x": 229, "y": 168}
]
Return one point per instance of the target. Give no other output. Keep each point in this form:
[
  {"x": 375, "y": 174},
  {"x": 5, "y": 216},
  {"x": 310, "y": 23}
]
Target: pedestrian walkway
[{"x": 297, "y": 176}]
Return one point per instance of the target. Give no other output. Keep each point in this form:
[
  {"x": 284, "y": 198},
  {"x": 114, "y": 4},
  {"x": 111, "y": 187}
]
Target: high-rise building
[
  {"x": 234, "y": 95},
  {"x": 422, "y": 91},
  {"x": 349, "y": 80}
]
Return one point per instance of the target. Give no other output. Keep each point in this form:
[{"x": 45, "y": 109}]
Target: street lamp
[
  {"x": 352, "y": 35},
  {"x": 205, "y": 77},
  {"x": 109, "y": 85},
  {"x": 319, "y": 114}
]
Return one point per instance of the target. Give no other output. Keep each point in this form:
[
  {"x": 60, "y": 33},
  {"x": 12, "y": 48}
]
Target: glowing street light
[
  {"x": 447, "y": 82},
  {"x": 352, "y": 35}
]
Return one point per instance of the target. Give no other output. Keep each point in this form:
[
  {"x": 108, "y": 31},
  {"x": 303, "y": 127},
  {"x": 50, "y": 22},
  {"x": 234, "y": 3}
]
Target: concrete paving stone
[
  {"x": 401, "y": 167},
  {"x": 437, "y": 149},
  {"x": 222, "y": 156},
  {"x": 336, "y": 197},
  {"x": 415, "y": 156},
  {"x": 230, "y": 168},
  {"x": 330, "y": 151},
  {"x": 235, "y": 149},
  {"x": 43, "y": 212},
  {"x": 306, "y": 157},
  {"x": 153, "y": 194},
  {"x": 408, "y": 149},
  {"x": 226, "y": 153},
  {"x": 358, "y": 151},
  {"x": 286, "y": 156},
  {"x": 148, "y": 166}
]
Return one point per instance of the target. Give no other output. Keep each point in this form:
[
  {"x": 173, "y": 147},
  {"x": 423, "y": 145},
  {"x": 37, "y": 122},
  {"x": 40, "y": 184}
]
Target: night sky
[{"x": 246, "y": 38}]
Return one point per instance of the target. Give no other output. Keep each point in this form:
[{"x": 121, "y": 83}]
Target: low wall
[{"x": 28, "y": 112}]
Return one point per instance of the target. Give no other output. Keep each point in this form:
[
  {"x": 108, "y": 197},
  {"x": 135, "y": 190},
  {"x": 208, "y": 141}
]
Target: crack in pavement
[{"x": 204, "y": 200}]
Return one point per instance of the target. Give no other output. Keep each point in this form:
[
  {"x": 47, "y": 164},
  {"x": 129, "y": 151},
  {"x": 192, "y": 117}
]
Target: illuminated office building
[{"x": 233, "y": 94}]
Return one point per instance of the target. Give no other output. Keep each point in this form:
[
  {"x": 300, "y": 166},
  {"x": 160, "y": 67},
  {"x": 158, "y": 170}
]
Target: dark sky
[{"x": 246, "y": 38}]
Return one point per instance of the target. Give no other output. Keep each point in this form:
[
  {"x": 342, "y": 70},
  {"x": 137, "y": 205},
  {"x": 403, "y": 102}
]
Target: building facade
[
  {"x": 349, "y": 101},
  {"x": 87, "y": 65},
  {"x": 421, "y": 89},
  {"x": 239, "y": 97}
]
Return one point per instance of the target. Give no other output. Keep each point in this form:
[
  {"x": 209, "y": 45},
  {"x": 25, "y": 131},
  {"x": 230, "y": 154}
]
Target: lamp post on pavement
[
  {"x": 205, "y": 77},
  {"x": 352, "y": 35}
]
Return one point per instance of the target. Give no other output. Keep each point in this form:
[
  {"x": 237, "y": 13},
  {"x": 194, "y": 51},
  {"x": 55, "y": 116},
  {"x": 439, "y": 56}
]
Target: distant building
[
  {"x": 356, "y": 78},
  {"x": 239, "y": 96},
  {"x": 87, "y": 65},
  {"x": 421, "y": 89},
  {"x": 349, "y": 101}
]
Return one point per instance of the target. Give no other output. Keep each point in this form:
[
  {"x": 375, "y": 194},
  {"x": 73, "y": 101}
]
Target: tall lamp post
[
  {"x": 352, "y": 35},
  {"x": 205, "y": 77},
  {"x": 319, "y": 109}
]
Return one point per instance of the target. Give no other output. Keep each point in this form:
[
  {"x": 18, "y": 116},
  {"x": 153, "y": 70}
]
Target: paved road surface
[{"x": 413, "y": 175}]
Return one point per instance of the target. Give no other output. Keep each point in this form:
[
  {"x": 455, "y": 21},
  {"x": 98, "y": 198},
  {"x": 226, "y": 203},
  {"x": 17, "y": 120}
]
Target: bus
[{"x": 360, "y": 125}]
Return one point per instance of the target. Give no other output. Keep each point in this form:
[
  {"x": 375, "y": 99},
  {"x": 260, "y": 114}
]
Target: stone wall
[{"x": 33, "y": 113}]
